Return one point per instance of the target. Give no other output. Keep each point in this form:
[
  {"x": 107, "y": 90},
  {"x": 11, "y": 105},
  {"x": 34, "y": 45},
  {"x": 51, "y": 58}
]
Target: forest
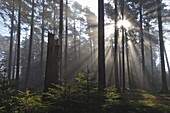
[{"x": 59, "y": 56}]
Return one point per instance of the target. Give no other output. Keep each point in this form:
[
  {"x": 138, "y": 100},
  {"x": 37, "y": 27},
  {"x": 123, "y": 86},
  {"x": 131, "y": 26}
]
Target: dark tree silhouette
[{"x": 101, "y": 46}]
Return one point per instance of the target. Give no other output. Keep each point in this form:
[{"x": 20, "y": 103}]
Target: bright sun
[{"x": 124, "y": 23}]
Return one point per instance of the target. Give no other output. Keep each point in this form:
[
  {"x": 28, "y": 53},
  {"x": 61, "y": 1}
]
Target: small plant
[{"x": 25, "y": 102}]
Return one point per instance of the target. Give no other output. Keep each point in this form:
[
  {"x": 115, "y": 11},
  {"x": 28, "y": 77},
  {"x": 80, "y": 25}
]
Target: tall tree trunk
[
  {"x": 101, "y": 46},
  {"x": 11, "y": 42},
  {"x": 164, "y": 88},
  {"x": 30, "y": 48},
  {"x": 142, "y": 40},
  {"x": 116, "y": 49},
  {"x": 66, "y": 36},
  {"x": 18, "y": 46},
  {"x": 42, "y": 43},
  {"x": 123, "y": 52},
  {"x": 61, "y": 35}
]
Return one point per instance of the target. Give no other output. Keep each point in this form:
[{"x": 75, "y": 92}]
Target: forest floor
[{"x": 141, "y": 102}]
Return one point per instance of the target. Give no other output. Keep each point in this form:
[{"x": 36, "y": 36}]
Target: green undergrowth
[
  {"x": 141, "y": 102},
  {"x": 84, "y": 97}
]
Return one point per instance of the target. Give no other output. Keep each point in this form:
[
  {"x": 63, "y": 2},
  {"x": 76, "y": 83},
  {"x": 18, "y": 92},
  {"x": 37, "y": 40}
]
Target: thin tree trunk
[
  {"x": 30, "y": 48},
  {"x": 42, "y": 43},
  {"x": 66, "y": 36},
  {"x": 123, "y": 52},
  {"x": 101, "y": 47},
  {"x": 11, "y": 42},
  {"x": 61, "y": 35},
  {"x": 142, "y": 40},
  {"x": 18, "y": 46},
  {"x": 164, "y": 88},
  {"x": 116, "y": 49}
]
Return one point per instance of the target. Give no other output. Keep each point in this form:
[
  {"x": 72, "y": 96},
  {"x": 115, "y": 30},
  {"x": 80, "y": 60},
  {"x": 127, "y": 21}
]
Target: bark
[
  {"x": 52, "y": 63},
  {"x": 101, "y": 46}
]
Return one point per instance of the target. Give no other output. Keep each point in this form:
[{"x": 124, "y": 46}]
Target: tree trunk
[
  {"x": 18, "y": 46},
  {"x": 116, "y": 49},
  {"x": 66, "y": 36},
  {"x": 52, "y": 63},
  {"x": 123, "y": 52},
  {"x": 164, "y": 88},
  {"x": 101, "y": 47},
  {"x": 11, "y": 42},
  {"x": 30, "y": 48},
  {"x": 142, "y": 41},
  {"x": 42, "y": 43},
  {"x": 61, "y": 35}
]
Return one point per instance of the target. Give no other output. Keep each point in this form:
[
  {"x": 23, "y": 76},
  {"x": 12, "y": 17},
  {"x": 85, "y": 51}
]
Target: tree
[
  {"x": 11, "y": 41},
  {"x": 142, "y": 39},
  {"x": 42, "y": 40},
  {"x": 116, "y": 48},
  {"x": 101, "y": 46},
  {"x": 66, "y": 36},
  {"x": 61, "y": 34},
  {"x": 123, "y": 41},
  {"x": 18, "y": 46},
  {"x": 30, "y": 47},
  {"x": 164, "y": 88}
]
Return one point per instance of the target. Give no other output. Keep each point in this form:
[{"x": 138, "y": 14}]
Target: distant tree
[
  {"x": 42, "y": 39},
  {"x": 61, "y": 34},
  {"x": 116, "y": 48},
  {"x": 30, "y": 47}
]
